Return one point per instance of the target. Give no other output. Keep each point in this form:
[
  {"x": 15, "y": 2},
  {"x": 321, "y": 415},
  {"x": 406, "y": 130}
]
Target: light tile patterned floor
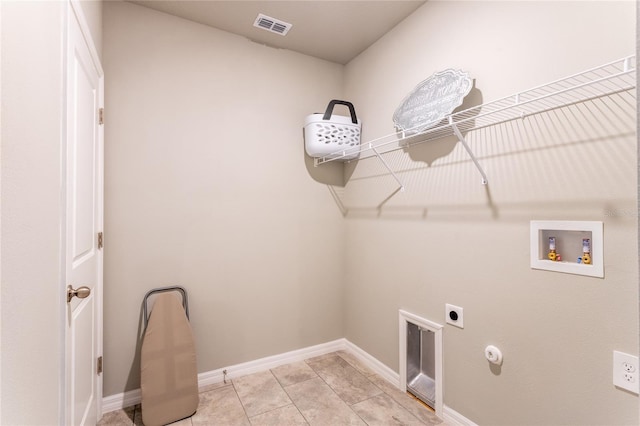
[{"x": 333, "y": 389}]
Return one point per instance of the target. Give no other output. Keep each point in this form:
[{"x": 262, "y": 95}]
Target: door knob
[{"x": 80, "y": 292}]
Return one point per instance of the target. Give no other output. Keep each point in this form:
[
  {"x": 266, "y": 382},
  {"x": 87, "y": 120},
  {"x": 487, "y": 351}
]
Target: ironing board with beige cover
[{"x": 169, "y": 376}]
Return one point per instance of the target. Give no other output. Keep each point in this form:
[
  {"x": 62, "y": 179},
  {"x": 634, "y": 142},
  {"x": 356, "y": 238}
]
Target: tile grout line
[
  {"x": 382, "y": 392},
  {"x": 333, "y": 390},
  {"x": 317, "y": 377},
  {"x": 284, "y": 388},
  {"x": 366, "y": 399},
  {"x": 328, "y": 385},
  {"x": 275, "y": 408},
  {"x": 233, "y": 385},
  {"x": 137, "y": 409},
  {"x": 294, "y": 404}
]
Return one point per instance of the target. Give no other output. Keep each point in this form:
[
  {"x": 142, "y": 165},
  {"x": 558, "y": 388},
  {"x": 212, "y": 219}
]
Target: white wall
[
  {"x": 30, "y": 174},
  {"x": 448, "y": 239},
  {"x": 32, "y": 295},
  {"x": 206, "y": 187},
  {"x": 0, "y": 216}
]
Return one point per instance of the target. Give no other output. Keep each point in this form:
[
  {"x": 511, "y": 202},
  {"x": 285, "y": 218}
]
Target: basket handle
[{"x": 329, "y": 111}]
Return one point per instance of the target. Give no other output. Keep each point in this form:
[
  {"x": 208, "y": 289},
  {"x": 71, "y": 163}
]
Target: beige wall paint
[
  {"x": 589, "y": 324},
  {"x": 206, "y": 187},
  {"x": 32, "y": 300},
  {"x": 447, "y": 239}
]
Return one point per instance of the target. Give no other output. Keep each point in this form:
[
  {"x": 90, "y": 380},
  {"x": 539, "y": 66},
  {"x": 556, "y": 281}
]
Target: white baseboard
[
  {"x": 133, "y": 397},
  {"x": 121, "y": 400},
  {"x": 449, "y": 415},
  {"x": 454, "y": 418},
  {"x": 379, "y": 368},
  {"x": 130, "y": 398},
  {"x": 262, "y": 364}
]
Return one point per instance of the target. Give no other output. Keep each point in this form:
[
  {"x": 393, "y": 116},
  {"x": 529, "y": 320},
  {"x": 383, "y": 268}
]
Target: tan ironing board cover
[{"x": 169, "y": 376}]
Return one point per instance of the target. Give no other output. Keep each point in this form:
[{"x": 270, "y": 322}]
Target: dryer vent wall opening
[{"x": 421, "y": 364}]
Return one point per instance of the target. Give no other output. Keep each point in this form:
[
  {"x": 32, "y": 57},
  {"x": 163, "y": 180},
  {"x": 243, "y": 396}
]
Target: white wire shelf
[{"x": 605, "y": 80}]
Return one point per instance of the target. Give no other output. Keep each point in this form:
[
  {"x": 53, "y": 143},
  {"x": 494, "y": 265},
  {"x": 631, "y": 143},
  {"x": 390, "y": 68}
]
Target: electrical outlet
[
  {"x": 625, "y": 371},
  {"x": 454, "y": 315}
]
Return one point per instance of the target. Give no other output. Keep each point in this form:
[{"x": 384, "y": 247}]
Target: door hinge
[
  {"x": 100, "y": 243},
  {"x": 101, "y": 116},
  {"x": 99, "y": 366}
]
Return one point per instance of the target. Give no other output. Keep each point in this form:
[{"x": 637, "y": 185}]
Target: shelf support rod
[
  {"x": 387, "y": 166},
  {"x": 466, "y": 146}
]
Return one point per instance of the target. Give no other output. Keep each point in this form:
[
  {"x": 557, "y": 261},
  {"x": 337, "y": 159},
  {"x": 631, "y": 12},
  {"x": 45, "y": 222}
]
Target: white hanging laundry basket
[{"x": 334, "y": 135}]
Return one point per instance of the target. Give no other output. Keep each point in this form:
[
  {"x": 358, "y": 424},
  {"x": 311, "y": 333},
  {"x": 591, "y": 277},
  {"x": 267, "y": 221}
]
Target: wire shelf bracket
[
  {"x": 386, "y": 165},
  {"x": 464, "y": 143}
]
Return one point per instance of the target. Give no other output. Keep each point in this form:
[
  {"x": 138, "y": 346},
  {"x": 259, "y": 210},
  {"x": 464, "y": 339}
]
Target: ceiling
[{"x": 333, "y": 30}]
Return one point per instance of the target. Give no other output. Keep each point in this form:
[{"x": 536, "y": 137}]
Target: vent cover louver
[{"x": 271, "y": 24}]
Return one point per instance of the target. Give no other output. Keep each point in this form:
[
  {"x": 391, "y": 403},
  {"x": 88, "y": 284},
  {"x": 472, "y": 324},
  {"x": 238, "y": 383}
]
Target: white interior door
[{"x": 84, "y": 198}]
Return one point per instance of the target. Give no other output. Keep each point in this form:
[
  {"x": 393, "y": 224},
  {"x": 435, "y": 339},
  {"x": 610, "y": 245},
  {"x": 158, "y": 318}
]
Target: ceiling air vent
[{"x": 271, "y": 24}]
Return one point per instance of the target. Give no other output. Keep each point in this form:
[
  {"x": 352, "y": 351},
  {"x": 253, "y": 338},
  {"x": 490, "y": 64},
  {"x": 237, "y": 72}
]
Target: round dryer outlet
[{"x": 454, "y": 315}]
